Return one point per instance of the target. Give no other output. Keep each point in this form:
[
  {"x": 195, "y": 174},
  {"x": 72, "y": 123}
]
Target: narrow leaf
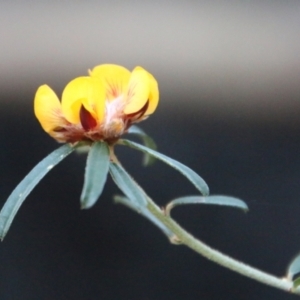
[
  {"x": 127, "y": 185},
  {"x": 294, "y": 267},
  {"x": 145, "y": 213},
  {"x": 97, "y": 166},
  {"x": 147, "y": 141},
  {"x": 192, "y": 176},
  {"x": 23, "y": 189},
  {"x": 215, "y": 200}
]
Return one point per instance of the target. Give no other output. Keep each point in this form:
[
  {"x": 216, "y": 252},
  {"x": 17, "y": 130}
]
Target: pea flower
[
  {"x": 98, "y": 107},
  {"x": 93, "y": 113}
]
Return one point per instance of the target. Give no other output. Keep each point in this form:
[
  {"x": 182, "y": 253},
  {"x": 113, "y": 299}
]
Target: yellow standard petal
[
  {"x": 47, "y": 109},
  {"x": 115, "y": 79},
  {"x": 138, "y": 91},
  {"x": 153, "y": 95},
  {"x": 85, "y": 91}
]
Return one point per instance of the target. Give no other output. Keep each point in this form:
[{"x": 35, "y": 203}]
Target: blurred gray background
[
  {"x": 230, "y": 56},
  {"x": 229, "y": 78}
]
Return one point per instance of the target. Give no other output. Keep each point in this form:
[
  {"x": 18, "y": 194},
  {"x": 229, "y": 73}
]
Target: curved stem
[
  {"x": 181, "y": 236},
  {"x": 187, "y": 239}
]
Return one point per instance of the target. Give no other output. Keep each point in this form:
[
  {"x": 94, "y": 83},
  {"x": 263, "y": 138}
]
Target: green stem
[
  {"x": 183, "y": 237},
  {"x": 187, "y": 239}
]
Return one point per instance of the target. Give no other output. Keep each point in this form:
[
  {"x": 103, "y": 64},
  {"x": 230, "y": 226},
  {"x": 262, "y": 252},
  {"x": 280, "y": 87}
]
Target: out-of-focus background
[{"x": 229, "y": 77}]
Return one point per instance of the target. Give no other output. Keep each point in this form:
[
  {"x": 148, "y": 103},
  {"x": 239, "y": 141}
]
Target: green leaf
[
  {"x": 147, "y": 141},
  {"x": 215, "y": 200},
  {"x": 127, "y": 185},
  {"x": 145, "y": 213},
  {"x": 294, "y": 267},
  {"x": 23, "y": 189},
  {"x": 192, "y": 176},
  {"x": 97, "y": 166},
  {"x": 296, "y": 283}
]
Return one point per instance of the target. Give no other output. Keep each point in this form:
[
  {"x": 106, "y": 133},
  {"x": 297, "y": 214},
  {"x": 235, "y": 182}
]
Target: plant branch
[{"x": 183, "y": 237}]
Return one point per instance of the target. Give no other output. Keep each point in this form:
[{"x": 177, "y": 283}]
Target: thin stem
[
  {"x": 187, "y": 239},
  {"x": 181, "y": 236}
]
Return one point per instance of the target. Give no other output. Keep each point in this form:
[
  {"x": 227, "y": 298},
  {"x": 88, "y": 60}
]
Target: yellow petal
[
  {"x": 153, "y": 96},
  {"x": 47, "y": 109},
  {"x": 138, "y": 90},
  {"x": 85, "y": 91},
  {"x": 115, "y": 79}
]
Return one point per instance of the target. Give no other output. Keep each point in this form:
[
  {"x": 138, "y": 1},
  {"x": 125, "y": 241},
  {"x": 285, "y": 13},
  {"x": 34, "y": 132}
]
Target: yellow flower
[{"x": 101, "y": 106}]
